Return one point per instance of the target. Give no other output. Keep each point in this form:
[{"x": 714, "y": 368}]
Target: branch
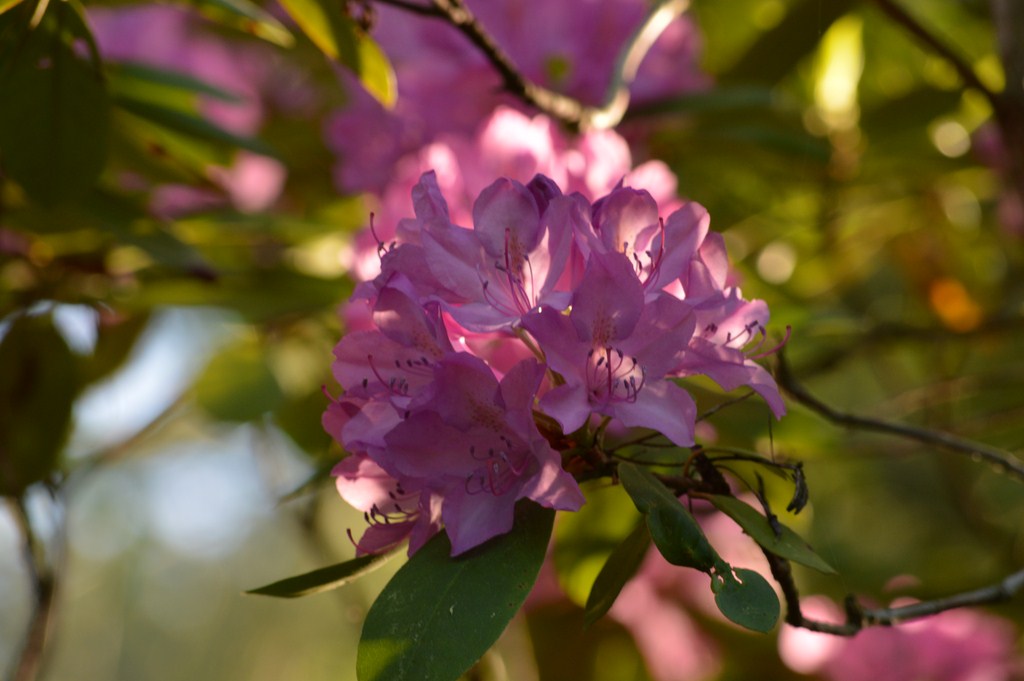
[
  {"x": 568, "y": 110},
  {"x": 30, "y": 659},
  {"x": 963, "y": 69},
  {"x": 859, "y": 618},
  {"x": 1001, "y": 460}
]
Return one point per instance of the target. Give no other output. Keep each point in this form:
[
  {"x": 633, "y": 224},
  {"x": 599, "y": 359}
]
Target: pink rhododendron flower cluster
[{"x": 550, "y": 310}]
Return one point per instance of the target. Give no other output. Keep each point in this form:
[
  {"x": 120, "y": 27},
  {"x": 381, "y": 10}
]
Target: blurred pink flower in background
[
  {"x": 175, "y": 39},
  {"x": 957, "y": 645},
  {"x": 446, "y": 86}
]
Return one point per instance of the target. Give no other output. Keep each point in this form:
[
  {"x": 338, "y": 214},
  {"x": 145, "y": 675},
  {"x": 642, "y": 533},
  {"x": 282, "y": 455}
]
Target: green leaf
[
  {"x": 247, "y": 17},
  {"x": 584, "y": 540},
  {"x": 7, "y": 4},
  {"x": 116, "y": 336},
  {"x": 55, "y": 115},
  {"x": 326, "y": 25},
  {"x": 674, "y": 531},
  {"x": 37, "y": 389},
  {"x": 779, "y": 50},
  {"x": 146, "y": 73},
  {"x": 619, "y": 569},
  {"x": 788, "y": 545},
  {"x": 341, "y": 39},
  {"x": 714, "y": 101},
  {"x": 323, "y": 579},
  {"x": 376, "y": 73},
  {"x": 191, "y": 124},
  {"x": 438, "y": 615},
  {"x": 237, "y": 384},
  {"x": 748, "y": 600}
]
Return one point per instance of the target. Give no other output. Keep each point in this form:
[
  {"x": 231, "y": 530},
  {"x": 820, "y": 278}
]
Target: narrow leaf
[
  {"x": 619, "y": 569},
  {"x": 674, "y": 531},
  {"x": 323, "y": 579},
  {"x": 788, "y": 544},
  {"x": 191, "y": 124},
  {"x": 177, "y": 80},
  {"x": 748, "y": 600},
  {"x": 438, "y": 615}
]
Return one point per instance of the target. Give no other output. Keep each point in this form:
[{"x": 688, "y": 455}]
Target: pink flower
[
  {"x": 958, "y": 645},
  {"x": 613, "y": 350},
  {"x": 474, "y": 444}
]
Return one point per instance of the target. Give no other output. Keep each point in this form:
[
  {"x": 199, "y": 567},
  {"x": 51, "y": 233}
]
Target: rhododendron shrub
[{"x": 512, "y": 357}]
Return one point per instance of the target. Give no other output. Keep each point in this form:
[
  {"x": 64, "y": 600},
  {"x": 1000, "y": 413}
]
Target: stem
[
  {"x": 858, "y": 618},
  {"x": 1003, "y": 461},
  {"x": 963, "y": 69},
  {"x": 568, "y": 110},
  {"x": 29, "y": 661}
]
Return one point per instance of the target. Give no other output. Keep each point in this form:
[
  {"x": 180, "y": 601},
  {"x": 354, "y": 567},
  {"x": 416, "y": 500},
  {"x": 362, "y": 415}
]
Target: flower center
[
  {"x": 517, "y": 293},
  {"x": 500, "y": 468},
  {"x": 612, "y": 376}
]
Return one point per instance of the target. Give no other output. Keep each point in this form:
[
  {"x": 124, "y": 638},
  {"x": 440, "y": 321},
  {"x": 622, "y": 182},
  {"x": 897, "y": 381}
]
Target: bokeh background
[{"x": 173, "y": 263}]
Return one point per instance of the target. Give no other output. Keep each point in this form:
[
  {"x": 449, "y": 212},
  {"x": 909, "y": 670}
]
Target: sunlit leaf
[
  {"x": 438, "y": 615},
  {"x": 7, "y": 4},
  {"x": 376, "y": 73},
  {"x": 55, "y": 114},
  {"x": 37, "y": 388},
  {"x": 247, "y": 17},
  {"x": 674, "y": 531},
  {"x": 748, "y": 600},
  {"x": 322, "y": 579},
  {"x": 787, "y": 544},
  {"x": 338, "y": 36},
  {"x": 620, "y": 567}
]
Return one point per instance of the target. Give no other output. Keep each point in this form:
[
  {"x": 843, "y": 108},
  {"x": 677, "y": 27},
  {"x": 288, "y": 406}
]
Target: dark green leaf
[
  {"x": 674, "y": 531},
  {"x": 788, "y": 544},
  {"x": 712, "y": 101},
  {"x": 55, "y": 114},
  {"x": 116, "y": 336},
  {"x": 191, "y": 124},
  {"x": 779, "y": 50},
  {"x": 237, "y": 384},
  {"x": 438, "y": 615},
  {"x": 619, "y": 569},
  {"x": 37, "y": 388},
  {"x": 177, "y": 80},
  {"x": 748, "y": 600},
  {"x": 323, "y": 579}
]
